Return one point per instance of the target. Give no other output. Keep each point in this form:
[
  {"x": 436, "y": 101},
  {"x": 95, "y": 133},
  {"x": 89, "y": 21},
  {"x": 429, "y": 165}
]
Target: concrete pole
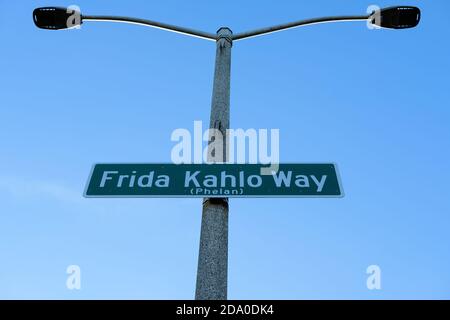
[{"x": 213, "y": 254}]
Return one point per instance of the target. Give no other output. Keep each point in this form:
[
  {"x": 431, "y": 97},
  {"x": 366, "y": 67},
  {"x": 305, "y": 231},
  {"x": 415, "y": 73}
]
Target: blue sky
[{"x": 374, "y": 102}]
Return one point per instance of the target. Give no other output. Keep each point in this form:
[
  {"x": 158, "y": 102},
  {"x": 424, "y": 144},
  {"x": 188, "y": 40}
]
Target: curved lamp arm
[
  {"x": 264, "y": 31},
  {"x": 154, "y": 24},
  {"x": 213, "y": 37}
]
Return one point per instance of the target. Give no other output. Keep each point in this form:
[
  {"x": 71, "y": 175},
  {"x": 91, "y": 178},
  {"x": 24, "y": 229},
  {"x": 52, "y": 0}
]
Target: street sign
[{"x": 213, "y": 180}]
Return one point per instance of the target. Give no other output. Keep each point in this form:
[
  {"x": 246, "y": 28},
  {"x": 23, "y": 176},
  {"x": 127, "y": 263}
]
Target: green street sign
[{"x": 213, "y": 180}]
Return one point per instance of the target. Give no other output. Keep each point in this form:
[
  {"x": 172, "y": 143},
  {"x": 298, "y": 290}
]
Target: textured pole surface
[{"x": 213, "y": 253}]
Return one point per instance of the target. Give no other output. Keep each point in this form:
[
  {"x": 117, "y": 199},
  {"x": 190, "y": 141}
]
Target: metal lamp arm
[
  {"x": 281, "y": 27},
  {"x": 154, "y": 24},
  {"x": 213, "y": 37}
]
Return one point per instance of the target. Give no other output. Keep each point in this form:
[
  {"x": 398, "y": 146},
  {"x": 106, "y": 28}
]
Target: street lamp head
[
  {"x": 56, "y": 18},
  {"x": 396, "y": 17}
]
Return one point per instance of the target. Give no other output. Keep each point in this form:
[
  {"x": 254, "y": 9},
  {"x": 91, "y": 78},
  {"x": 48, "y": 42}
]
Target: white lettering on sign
[
  {"x": 129, "y": 180},
  {"x": 222, "y": 179},
  {"x": 282, "y": 179}
]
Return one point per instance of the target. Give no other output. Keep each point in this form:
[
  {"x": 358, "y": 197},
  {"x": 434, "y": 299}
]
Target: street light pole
[{"x": 213, "y": 252}]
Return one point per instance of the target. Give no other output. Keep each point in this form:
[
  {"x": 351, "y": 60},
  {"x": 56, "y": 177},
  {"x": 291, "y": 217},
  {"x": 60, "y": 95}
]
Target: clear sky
[{"x": 374, "y": 102}]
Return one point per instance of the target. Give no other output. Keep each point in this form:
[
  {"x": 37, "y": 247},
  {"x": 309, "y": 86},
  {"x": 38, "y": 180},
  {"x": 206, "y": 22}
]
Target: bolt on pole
[{"x": 213, "y": 253}]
